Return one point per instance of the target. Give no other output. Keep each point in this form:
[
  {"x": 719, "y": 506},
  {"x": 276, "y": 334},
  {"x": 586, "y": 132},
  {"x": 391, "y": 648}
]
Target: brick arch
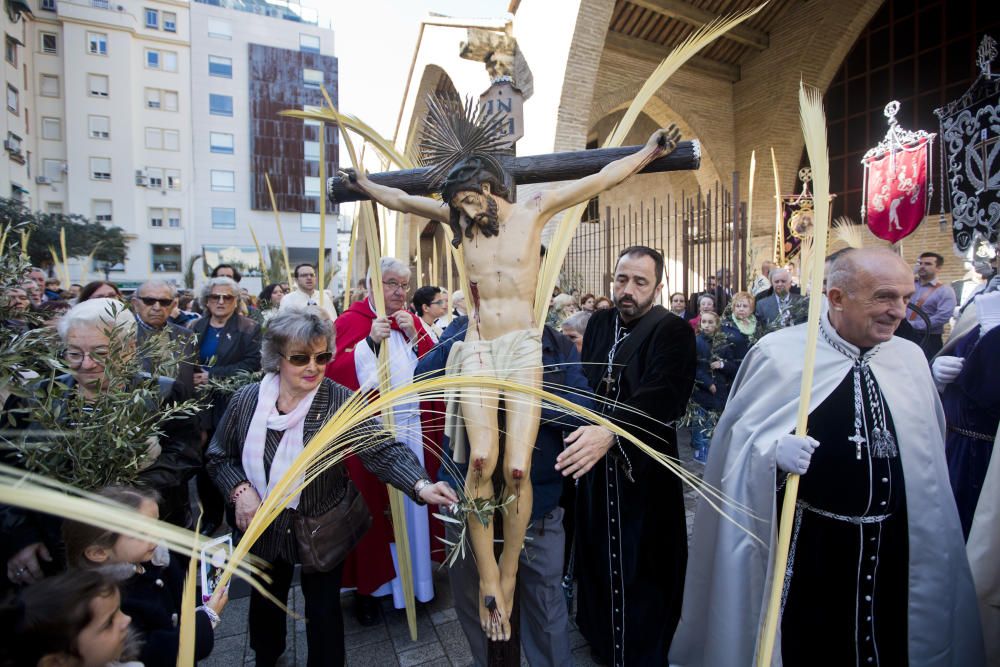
[{"x": 663, "y": 114}]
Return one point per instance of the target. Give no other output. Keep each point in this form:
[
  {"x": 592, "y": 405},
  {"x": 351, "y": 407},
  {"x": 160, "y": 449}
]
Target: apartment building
[{"x": 160, "y": 117}]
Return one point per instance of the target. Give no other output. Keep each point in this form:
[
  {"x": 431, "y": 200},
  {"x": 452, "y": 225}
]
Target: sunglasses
[
  {"x": 221, "y": 298},
  {"x": 150, "y": 301},
  {"x": 322, "y": 359}
]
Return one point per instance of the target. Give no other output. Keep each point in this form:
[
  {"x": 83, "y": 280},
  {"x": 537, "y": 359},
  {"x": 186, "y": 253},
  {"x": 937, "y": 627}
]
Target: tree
[{"x": 83, "y": 237}]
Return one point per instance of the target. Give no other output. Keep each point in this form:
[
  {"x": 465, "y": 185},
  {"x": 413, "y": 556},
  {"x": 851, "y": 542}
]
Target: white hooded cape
[{"x": 729, "y": 573}]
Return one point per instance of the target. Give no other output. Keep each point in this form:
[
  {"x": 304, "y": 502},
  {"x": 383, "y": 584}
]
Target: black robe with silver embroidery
[
  {"x": 846, "y": 599},
  {"x": 631, "y": 540}
]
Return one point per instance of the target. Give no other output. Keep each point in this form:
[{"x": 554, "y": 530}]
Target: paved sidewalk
[{"x": 440, "y": 640}]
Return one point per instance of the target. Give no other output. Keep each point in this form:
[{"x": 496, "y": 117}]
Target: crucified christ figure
[{"x": 501, "y": 240}]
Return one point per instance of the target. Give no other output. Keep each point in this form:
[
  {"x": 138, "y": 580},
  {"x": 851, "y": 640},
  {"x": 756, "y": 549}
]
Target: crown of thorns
[{"x": 459, "y": 142}]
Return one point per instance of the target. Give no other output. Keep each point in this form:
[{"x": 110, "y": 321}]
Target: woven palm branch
[
  {"x": 454, "y": 132},
  {"x": 848, "y": 231}
]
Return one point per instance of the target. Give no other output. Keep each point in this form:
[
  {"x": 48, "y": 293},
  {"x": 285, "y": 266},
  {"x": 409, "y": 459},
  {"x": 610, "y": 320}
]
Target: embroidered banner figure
[{"x": 897, "y": 186}]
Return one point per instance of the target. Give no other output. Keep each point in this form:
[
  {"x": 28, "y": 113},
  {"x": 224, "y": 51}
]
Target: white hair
[
  {"x": 98, "y": 313},
  {"x": 388, "y": 265},
  {"x": 156, "y": 284},
  {"x": 457, "y": 295},
  {"x": 777, "y": 271},
  {"x": 578, "y": 321},
  {"x": 220, "y": 281}
]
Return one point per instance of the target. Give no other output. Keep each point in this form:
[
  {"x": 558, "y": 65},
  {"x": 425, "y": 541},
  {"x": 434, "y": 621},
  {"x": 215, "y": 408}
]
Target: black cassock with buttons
[
  {"x": 847, "y": 581},
  {"x": 631, "y": 535}
]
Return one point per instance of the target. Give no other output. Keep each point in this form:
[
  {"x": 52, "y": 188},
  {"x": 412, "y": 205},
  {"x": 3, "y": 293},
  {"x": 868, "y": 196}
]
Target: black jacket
[
  {"x": 239, "y": 350},
  {"x": 187, "y": 357}
]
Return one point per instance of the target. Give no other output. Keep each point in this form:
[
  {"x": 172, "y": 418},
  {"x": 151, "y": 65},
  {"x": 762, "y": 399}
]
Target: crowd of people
[{"x": 893, "y": 469}]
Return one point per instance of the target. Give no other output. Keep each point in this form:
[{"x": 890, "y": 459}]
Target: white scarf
[{"x": 266, "y": 417}]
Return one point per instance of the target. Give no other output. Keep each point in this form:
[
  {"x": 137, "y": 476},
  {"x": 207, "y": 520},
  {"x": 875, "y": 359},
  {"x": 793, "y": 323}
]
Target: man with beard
[
  {"x": 631, "y": 533},
  {"x": 500, "y": 241}
]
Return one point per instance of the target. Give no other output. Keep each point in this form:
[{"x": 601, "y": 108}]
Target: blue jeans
[{"x": 701, "y": 426}]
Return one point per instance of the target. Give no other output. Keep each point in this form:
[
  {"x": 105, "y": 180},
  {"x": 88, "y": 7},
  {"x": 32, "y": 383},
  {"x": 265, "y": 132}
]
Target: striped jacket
[{"x": 390, "y": 461}]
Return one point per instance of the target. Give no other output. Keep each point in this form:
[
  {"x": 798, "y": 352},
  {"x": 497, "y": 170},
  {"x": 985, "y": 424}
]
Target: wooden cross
[{"x": 530, "y": 169}]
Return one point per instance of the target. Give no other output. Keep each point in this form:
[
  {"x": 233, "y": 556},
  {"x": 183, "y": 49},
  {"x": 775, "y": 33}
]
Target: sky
[{"x": 374, "y": 42}]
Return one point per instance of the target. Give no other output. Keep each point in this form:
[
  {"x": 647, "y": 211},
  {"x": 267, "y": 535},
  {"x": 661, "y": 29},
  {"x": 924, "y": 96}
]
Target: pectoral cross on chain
[
  {"x": 858, "y": 440},
  {"x": 607, "y": 383}
]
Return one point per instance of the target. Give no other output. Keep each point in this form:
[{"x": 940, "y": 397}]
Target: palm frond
[
  {"x": 849, "y": 232},
  {"x": 559, "y": 245}
]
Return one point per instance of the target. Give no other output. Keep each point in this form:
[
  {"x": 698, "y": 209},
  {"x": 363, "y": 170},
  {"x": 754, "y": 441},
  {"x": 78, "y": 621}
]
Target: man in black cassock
[{"x": 631, "y": 539}]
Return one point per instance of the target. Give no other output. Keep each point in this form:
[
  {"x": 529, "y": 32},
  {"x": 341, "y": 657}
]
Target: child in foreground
[
  {"x": 151, "y": 582},
  {"x": 70, "y": 620}
]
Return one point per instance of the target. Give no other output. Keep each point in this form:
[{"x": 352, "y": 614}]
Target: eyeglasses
[
  {"x": 322, "y": 359},
  {"x": 221, "y": 298},
  {"x": 150, "y": 301},
  {"x": 439, "y": 302},
  {"x": 396, "y": 286},
  {"x": 76, "y": 357}
]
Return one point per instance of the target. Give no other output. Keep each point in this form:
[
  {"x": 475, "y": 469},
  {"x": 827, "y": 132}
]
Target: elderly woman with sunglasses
[
  {"x": 266, "y": 425},
  {"x": 95, "y": 334},
  {"x": 228, "y": 343}
]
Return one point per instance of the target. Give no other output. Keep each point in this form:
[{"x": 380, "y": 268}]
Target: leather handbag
[{"x": 325, "y": 540}]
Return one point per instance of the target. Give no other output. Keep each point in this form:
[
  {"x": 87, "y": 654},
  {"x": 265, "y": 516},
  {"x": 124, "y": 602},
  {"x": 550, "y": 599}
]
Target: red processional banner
[{"x": 896, "y": 198}]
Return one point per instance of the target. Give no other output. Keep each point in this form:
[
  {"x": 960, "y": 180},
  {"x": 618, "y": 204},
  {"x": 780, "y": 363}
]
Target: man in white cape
[{"x": 730, "y": 566}]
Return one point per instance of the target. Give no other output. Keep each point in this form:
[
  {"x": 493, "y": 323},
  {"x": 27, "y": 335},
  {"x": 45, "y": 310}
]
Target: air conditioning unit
[
  {"x": 141, "y": 178},
  {"x": 43, "y": 180}
]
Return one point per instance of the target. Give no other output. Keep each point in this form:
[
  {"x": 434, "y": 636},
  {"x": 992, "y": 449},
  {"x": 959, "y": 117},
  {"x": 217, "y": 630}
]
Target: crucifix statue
[{"x": 501, "y": 239}]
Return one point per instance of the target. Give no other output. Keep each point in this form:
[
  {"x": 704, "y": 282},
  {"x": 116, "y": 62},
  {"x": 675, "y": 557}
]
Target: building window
[
  {"x": 50, "y": 42},
  {"x": 50, "y": 6},
  {"x": 165, "y": 100},
  {"x": 309, "y": 43},
  {"x": 309, "y": 222},
  {"x": 170, "y": 21},
  {"x": 97, "y": 85},
  {"x": 223, "y": 181},
  {"x": 162, "y": 60},
  {"x": 220, "y": 66},
  {"x": 152, "y": 19},
  {"x": 152, "y": 178},
  {"x": 53, "y": 170},
  {"x": 53, "y": 207},
  {"x": 97, "y": 43},
  {"x": 219, "y": 29},
  {"x": 312, "y": 78},
  {"x": 311, "y": 186},
  {"x": 13, "y": 144},
  {"x": 173, "y": 177},
  {"x": 166, "y": 258},
  {"x": 102, "y": 210},
  {"x": 224, "y": 218},
  {"x": 220, "y": 105},
  {"x": 10, "y": 50},
  {"x": 100, "y": 168},
  {"x": 52, "y": 129},
  {"x": 172, "y": 217},
  {"x": 311, "y": 150},
  {"x": 220, "y": 142},
  {"x": 310, "y": 122},
  {"x": 12, "y": 99},
  {"x": 49, "y": 86},
  {"x": 160, "y": 139},
  {"x": 99, "y": 126}
]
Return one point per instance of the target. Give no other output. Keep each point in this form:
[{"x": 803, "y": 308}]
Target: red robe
[{"x": 370, "y": 566}]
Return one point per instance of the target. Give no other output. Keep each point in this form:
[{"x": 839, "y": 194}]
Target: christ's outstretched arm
[
  {"x": 661, "y": 143},
  {"x": 395, "y": 199}
]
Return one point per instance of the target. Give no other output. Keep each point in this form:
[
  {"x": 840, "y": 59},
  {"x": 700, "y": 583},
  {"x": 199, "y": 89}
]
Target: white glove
[
  {"x": 945, "y": 370},
  {"x": 794, "y": 453}
]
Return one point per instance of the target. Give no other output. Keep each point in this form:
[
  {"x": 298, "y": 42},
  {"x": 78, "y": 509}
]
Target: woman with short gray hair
[
  {"x": 265, "y": 427},
  {"x": 228, "y": 344}
]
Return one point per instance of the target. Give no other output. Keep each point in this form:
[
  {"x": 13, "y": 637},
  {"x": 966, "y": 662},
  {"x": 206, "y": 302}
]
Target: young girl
[
  {"x": 70, "y": 620},
  {"x": 711, "y": 388},
  {"x": 151, "y": 582}
]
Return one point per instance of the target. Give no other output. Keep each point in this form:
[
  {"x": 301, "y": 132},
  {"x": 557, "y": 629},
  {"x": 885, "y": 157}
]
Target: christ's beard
[{"x": 488, "y": 221}]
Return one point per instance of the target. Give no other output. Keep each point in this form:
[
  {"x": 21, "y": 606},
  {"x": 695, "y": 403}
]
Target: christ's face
[{"x": 479, "y": 210}]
